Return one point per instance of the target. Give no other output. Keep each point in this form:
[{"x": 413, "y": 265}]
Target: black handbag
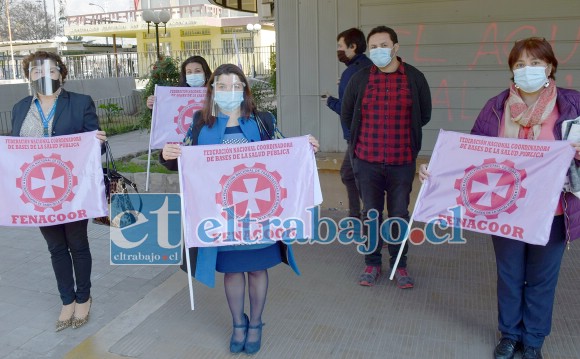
[
  {"x": 266, "y": 129},
  {"x": 116, "y": 183}
]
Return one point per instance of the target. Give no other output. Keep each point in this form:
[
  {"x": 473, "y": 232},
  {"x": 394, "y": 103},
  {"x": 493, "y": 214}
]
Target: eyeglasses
[{"x": 238, "y": 86}]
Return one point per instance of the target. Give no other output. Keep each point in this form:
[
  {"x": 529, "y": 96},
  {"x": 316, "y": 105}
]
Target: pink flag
[
  {"x": 248, "y": 193},
  {"x": 51, "y": 180},
  {"x": 503, "y": 186},
  {"x": 173, "y": 113}
]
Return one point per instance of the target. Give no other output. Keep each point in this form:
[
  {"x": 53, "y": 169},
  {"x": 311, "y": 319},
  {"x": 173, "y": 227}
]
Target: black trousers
[
  {"x": 68, "y": 245},
  {"x": 376, "y": 181},
  {"x": 349, "y": 181}
]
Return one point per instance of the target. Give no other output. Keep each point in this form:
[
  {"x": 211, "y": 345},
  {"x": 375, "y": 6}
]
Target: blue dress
[
  {"x": 204, "y": 259},
  {"x": 245, "y": 258}
]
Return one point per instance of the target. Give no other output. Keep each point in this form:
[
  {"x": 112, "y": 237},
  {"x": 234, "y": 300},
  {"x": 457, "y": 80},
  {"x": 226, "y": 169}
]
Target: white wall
[{"x": 460, "y": 45}]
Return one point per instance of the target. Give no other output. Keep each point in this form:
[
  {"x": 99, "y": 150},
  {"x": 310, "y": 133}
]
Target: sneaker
[
  {"x": 403, "y": 279},
  {"x": 506, "y": 349},
  {"x": 370, "y": 276},
  {"x": 532, "y": 353}
]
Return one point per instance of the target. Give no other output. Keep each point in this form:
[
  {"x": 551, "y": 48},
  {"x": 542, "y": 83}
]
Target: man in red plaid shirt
[{"x": 385, "y": 106}]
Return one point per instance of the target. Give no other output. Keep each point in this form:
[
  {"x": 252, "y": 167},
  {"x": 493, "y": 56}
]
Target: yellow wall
[{"x": 265, "y": 37}]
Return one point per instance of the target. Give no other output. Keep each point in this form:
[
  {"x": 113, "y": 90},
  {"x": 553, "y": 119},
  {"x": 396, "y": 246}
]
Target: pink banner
[
  {"x": 505, "y": 187},
  {"x": 173, "y": 112},
  {"x": 248, "y": 193},
  {"x": 51, "y": 180}
]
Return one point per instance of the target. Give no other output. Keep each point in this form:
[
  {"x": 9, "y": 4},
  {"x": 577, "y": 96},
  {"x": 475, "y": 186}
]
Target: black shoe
[
  {"x": 532, "y": 353},
  {"x": 506, "y": 349}
]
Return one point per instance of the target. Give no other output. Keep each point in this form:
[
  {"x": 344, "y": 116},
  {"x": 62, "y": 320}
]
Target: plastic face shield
[
  {"x": 228, "y": 82},
  {"x": 44, "y": 76}
]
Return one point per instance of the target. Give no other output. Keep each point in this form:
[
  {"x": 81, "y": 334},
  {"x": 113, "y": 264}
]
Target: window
[
  {"x": 234, "y": 30},
  {"x": 195, "y": 32},
  {"x": 197, "y": 46},
  {"x": 245, "y": 44},
  {"x": 164, "y": 48},
  {"x": 151, "y": 34}
]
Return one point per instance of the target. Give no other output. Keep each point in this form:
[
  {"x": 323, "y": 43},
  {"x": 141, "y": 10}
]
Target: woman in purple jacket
[{"x": 532, "y": 108}]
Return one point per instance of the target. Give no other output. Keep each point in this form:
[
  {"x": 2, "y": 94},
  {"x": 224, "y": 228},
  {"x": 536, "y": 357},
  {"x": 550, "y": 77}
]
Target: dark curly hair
[{"x": 43, "y": 55}]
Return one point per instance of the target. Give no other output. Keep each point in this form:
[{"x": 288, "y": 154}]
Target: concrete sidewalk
[
  {"x": 129, "y": 143},
  {"x": 143, "y": 311}
]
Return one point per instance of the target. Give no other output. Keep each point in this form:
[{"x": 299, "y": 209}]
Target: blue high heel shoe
[
  {"x": 237, "y": 347},
  {"x": 254, "y": 347}
]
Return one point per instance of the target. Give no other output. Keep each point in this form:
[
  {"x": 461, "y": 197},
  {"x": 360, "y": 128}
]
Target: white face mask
[
  {"x": 381, "y": 56},
  {"x": 195, "y": 80},
  {"x": 530, "y": 78}
]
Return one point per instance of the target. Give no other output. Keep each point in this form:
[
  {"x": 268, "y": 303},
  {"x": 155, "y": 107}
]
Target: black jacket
[
  {"x": 351, "y": 111},
  {"x": 75, "y": 113}
]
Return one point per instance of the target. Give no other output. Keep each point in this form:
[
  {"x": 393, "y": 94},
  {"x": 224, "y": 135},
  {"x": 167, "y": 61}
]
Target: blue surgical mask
[
  {"x": 381, "y": 56},
  {"x": 530, "y": 78},
  {"x": 195, "y": 80},
  {"x": 228, "y": 100}
]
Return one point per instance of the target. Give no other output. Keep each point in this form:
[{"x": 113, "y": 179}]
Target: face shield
[
  {"x": 44, "y": 76},
  {"x": 228, "y": 92}
]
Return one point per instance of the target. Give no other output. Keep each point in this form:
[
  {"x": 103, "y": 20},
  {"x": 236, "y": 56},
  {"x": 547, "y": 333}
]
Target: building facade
[
  {"x": 460, "y": 45},
  {"x": 194, "y": 27}
]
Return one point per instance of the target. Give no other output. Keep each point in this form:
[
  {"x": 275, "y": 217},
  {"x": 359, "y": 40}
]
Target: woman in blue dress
[{"x": 228, "y": 117}]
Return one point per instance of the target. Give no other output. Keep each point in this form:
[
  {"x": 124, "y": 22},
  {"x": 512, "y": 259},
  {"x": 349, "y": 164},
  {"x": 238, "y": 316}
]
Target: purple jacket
[{"x": 568, "y": 102}]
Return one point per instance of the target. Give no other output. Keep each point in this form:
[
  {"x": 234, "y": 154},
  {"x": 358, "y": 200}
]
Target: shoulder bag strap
[{"x": 265, "y": 134}]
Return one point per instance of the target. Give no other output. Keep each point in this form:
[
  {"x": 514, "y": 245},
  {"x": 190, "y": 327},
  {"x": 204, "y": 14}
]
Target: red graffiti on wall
[
  {"x": 492, "y": 48},
  {"x": 416, "y": 56},
  {"x": 462, "y": 115},
  {"x": 441, "y": 97},
  {"x": 489, "y": 43}
]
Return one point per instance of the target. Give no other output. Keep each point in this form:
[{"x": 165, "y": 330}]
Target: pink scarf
[{"x": 519, "y": 118}]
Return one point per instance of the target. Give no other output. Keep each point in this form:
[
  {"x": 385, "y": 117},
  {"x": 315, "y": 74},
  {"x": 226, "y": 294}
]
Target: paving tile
[
  {"x": 44, "y": 342},
  {"x": 324, "y": 313},
  {"x": 19, "y": 336}
]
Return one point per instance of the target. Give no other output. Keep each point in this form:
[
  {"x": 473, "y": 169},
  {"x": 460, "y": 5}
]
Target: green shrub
[
  {"x": 138, "y": 163},
  {"x": 111, "y": 110},
  {"x": 165, "y": 72}
]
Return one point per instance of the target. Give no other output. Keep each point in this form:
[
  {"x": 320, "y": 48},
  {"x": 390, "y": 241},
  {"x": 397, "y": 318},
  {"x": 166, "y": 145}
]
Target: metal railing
[
  {"x": 120, "y": 114},
  {"x": 116, "y": 115},
  {"x": 5, "y": 123},
  {"x": 177, "y": 12},
  {"x": 255, "y": 61}
]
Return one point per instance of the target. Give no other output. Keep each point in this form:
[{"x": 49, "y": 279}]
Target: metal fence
[
  {"x": 255, "y": 62},
  {"x": 116, "y": 115},
  {"x": 120, "y": 114},
  {"x": 5, "y": 123}
]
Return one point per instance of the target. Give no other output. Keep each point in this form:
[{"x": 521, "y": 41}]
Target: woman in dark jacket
[
  {"x": 52, "y": 111},
  {"x": 228, "y": 116}
]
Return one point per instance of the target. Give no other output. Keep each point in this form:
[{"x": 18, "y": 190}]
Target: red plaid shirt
[{"x": 385, "y": 132}]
